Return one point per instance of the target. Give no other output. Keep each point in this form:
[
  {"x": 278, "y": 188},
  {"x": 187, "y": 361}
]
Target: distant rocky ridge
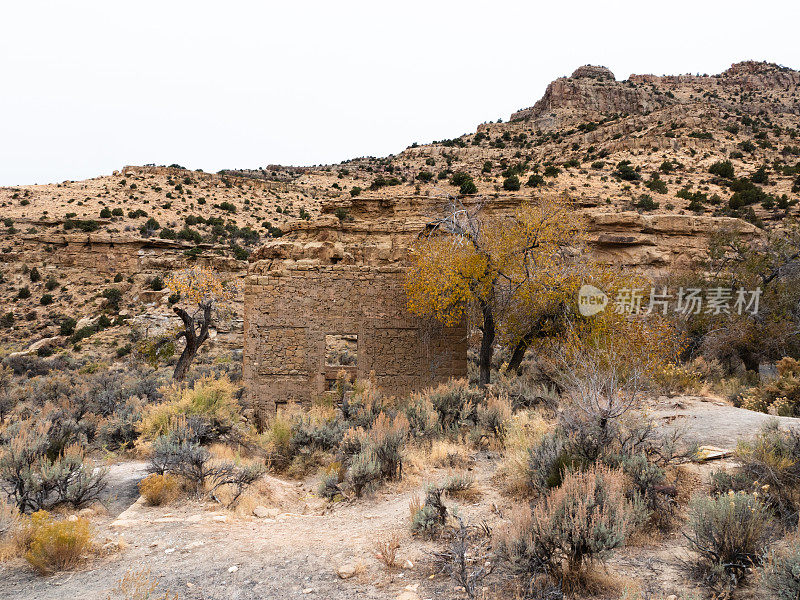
[{"x": 592, "y": 91}]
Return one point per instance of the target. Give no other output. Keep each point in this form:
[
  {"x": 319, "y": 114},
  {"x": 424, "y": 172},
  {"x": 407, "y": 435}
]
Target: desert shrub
[
  {"x": 576, "y": 523},
  {"x": 723, "y": 168},
  {"x": 386, "y": 550},
  {"x": 277, "y": 442},
  {"x": 178, "y": 453},
  {"x": 383, "y": 442},
  {"x": 524, "y": 390},
  {"x": 678, "y": 379},
  {"x": 386, "y": 439},
  {"x": 319, "y": 430},
  {"x": 781, "y": 573},
  {"x": 466, "y": 557},
  {"x": 429, "y": 519},
  {"x": 468, "y": 187},
  {"x": 648, "y": 491},
  {"x": 535, "y": 180},
  {"x": 781, "y": 396},
  {"x": 210, "y": 407},
  {"x": 455, "y": 403},
  {"x": 547, "y": 462},
  {"x": 729, "y": 533},
  {"x": 67, "y": 326},
  {"x": 329, "y": 485},
  {"x": 646, "y": 202},
  {"x": 363, "y": 405},
  {"x": 771, "y": 462},
  {"x": 657, "y": 185},
  {"x": 37, "y": 473},
  {"x": 511, "y": 183},
  {"x": 551, "y": 171},
  {"x": 459, "y": 485},
  {"x": 56, "y": 545},
  {"x": 113, "y": 297},
  {"x": 159, "y": 489},
  {"x": 524, "y": 431},
  {"x": 423, "y": 420},
  {"x": 139, "y": 585},
  {"x": 492, "y": 417},
  {"x": 626, "y": 172},
  {"x": 363, "y": 472}
]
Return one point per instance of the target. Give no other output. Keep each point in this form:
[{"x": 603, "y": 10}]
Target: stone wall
[{"x": 289, "y": 311}]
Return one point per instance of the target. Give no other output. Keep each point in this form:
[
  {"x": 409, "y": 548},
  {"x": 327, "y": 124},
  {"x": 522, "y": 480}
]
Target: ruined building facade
[{"x": 329, "y": 297}]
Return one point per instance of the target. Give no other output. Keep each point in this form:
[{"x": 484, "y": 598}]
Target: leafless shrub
[
  {"x": 386, "y": 550},
  {"x": 467, "y": 559}
]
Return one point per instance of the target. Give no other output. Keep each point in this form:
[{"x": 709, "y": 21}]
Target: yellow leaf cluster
[{"x": 200, "y": 285}]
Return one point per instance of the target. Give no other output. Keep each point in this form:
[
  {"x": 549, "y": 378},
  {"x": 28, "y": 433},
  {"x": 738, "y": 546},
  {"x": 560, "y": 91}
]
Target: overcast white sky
[{"x": 91, "y": 86}]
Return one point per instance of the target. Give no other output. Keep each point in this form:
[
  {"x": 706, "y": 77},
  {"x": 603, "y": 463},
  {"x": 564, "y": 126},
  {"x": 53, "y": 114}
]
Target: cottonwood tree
[
  {"x": 513, "y": 270},
  {"x": 204, "y": 299}
]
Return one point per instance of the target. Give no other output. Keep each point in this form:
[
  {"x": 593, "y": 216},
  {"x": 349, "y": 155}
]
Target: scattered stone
[
  {"x": 193, "y": 545},
  {"x": 346, "y": 571},
  {"x": 169, "y": 550},
  {"x": 308, "y": 590},
  {"x": 408, "y": 564},
  {"x": 233, "y": 569},
  {"x": 220, "y": 518}
]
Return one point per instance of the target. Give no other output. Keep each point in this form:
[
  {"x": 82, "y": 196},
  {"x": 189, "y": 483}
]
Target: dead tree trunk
[{"x": 195, "y": 332}]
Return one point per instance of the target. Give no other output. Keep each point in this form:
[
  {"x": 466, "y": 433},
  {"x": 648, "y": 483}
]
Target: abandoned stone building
[{"x": 329, "y": 297}]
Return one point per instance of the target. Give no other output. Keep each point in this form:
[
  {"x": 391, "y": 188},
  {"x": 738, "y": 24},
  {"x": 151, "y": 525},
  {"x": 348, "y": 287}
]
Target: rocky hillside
[{"x": 655, "y": 162}]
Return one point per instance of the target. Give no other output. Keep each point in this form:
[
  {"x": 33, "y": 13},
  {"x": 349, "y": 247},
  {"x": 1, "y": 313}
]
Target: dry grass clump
[
  {"x": 160, "y": 489},
  {"x": 446, "y": 454},
  {"x": 461, "y": 486},
  {"x": 524, "y": 430},
  {"x": 139, "y": 585},
  {"x": 492, "y": 419},
  {"x": 53, "y": 545},
  {"x": 386, "y": 548},
  {"x": 9, "y": 525}
]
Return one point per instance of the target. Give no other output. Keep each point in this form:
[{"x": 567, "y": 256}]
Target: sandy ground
[{"x": 201, "y": 552}]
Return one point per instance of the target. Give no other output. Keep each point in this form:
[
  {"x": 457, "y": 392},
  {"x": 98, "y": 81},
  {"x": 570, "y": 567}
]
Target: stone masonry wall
[{"x": 289, "y": 311}]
